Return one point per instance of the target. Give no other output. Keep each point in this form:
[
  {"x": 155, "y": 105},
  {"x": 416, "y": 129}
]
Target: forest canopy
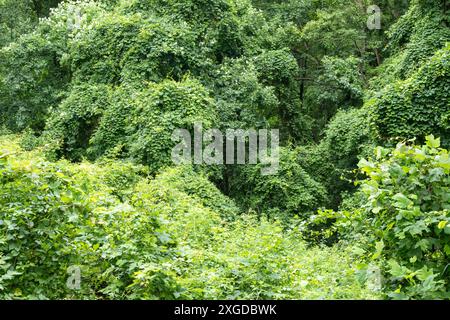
[{"x": 92, "y": 91}]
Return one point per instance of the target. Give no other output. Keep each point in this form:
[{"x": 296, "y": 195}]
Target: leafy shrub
[
  {"x": 110, "y": 80},
  {"x": 279, "y": 69},
  {"x": 32, "y": 81},
  {"x": 289, "y": 192},
  {"x": 54, "y": 215},
  {"x": 16, "y": 18},
  {"x": 252, "y": 259},
  {"x": 248, "y": 258},
  {"x": 243, "y": 101},
  {"x": 34, "y": 71},
  {"x": 96, "y": 120},
  {"x": 196, "y": 11},
  {"x": 418, "y": 105},
  {"x": 337, "y": 87},
  {"x": 347, "y": 138},
  {"x": 418, "y": 34},
  {"x": 76, "y": 119},
  {"x": 405, "y": 218},
  {"x": 160, "y": 110},
  {"x": 131, "y": 48}
]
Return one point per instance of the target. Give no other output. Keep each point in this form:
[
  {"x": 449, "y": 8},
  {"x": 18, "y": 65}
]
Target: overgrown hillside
[{"x": 91, "y": 93}]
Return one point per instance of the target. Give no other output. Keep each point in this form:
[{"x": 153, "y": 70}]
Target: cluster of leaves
[
  {"x": 196, "y": 185},
  {"x": 82, "y": 76},
  {"x": 291, "y": 192},
  {"x": 402, "y": 218},
  {"x": 97, "y": 120},
  {"x": 418, "y": 105},
  {"x": 397, "y": 104},
  {"x": 258, "y": 259},
  {"x": 17, "y": 18},
  {"x": 409, "y": 97},
  {"x": 347, "y": 138},
  {"x": 34, "y": 72},
  {"x": 418, "y": 34},
  {"x": 57, "y": 215}
]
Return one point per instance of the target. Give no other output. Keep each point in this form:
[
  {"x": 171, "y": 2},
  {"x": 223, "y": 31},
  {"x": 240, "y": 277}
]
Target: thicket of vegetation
[{"x": 91, "y": 91}]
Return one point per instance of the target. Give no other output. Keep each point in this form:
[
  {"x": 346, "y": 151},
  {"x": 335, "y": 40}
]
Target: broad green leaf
[
  {"x": 442, "y": 224},
  {"x": 433, "y": 142},
  {"x": 401, "y": 201}
]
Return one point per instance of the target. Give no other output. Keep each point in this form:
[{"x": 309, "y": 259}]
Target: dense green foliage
[
  {"x": 402, "y": 218},
  {"x": 292, "y": 192},
  {"x": 408, "y": 210},
  {"x": 91, "y": 92},
  {"x": 136, "y": 237},
  {"x": 419, "y": 104}
]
